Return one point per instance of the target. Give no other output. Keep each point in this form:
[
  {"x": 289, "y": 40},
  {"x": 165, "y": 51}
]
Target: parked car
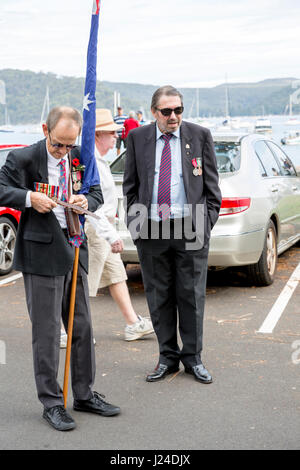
[
  {"x": 9, "y": 220},
  {"x": 260, "y": 211}
]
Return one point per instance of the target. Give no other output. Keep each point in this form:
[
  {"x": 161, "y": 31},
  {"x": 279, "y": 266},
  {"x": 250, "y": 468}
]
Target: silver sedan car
[{"x": 260, "y": 211}]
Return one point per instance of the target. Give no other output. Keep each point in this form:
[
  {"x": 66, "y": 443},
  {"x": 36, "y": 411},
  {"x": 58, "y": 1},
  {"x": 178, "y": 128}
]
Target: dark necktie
[
  {"x": 164, "y": 181},
  {"x": 76, "y": 240}
]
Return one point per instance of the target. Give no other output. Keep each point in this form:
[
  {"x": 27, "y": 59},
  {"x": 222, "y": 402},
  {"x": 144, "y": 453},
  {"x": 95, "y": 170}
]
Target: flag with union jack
[{"x": 87, "y": 157}]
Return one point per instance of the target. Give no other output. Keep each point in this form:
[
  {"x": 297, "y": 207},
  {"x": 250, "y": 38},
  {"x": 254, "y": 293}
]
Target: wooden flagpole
[{"x": 70, "y": 325}]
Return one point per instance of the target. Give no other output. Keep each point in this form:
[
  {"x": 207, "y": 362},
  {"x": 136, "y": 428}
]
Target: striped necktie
[
  {"x": 164, "y": 181},
  {"x": 63, "y": 181},
  {"x": 75, "y": 240}
]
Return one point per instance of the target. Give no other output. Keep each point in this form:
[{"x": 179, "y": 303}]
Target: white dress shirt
[
  {"x": 108, "y": 187},
  {"x": 103, "y": 227},
  {"x": 53, "y": 179},
  {"x": 179, "y": 207}
]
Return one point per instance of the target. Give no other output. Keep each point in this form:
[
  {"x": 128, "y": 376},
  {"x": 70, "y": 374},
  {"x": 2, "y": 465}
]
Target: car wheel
[
  {"x": 7, "y": 245},
  {"x": 263, "y": 272}
]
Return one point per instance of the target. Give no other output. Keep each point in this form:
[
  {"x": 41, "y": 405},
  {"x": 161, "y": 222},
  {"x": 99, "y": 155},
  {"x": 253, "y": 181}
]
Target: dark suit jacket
[
  {"x": 196, "y": 141},
  {"x": 41, "y": 246}
]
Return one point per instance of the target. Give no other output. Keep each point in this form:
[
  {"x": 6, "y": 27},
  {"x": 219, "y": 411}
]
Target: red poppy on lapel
[{"x": 76, "y": 172}]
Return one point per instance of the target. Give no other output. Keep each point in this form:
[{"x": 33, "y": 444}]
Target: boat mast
[
  {"x": 226, "y": 99},
  {"x": 291, "y": 106},
  {"x": 117, "y": 101},
  {"x": 46, "y": 107}
]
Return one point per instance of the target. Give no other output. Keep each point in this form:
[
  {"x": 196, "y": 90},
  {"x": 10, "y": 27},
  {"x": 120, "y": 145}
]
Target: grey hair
[
  {"x": 167, "y": 90},
  {"x": 63, "y": 112},
  {"x": 131, "y": 114}
]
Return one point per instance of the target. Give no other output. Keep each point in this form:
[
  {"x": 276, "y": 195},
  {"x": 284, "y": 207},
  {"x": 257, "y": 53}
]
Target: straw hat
[{"x": 105, "y": 122}]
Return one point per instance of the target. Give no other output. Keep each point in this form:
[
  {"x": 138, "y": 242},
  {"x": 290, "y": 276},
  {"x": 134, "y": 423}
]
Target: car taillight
[{"x": 234, "y": 205}]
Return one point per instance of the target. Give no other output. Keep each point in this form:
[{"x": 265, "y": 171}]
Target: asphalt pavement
[{"x": 253, "y": 403}]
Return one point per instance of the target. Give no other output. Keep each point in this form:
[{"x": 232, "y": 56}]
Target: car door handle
[
  {"x": 274, "y": 189},
  {"x": 295, "y": 188}
]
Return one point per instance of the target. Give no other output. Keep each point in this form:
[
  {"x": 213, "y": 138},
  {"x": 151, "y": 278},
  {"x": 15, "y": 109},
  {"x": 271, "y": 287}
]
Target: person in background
[
  {"x": 129, "y": 124},
  {"x": 140, "y": 118},
  {"x": 106, "y": 268},
  {"x": 119, "y": 119}
]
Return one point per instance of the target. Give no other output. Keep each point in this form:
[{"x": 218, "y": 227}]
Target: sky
[{"x": 186, "y": 43}]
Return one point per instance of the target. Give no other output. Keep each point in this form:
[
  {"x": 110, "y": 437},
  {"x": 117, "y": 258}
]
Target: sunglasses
[
  {"x": 169, "y": 111},
  {"x": 60, "y": 146}
]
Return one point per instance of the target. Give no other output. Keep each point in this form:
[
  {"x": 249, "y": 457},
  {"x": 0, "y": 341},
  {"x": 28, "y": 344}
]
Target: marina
[{"x": 23, "y": 134}]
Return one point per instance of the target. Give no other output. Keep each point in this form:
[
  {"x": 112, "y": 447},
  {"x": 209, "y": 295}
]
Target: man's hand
[
  {"x": 41, "y": 203},
  {"x": 79, "y": 200},
  {"x": 117, "y": 247}
]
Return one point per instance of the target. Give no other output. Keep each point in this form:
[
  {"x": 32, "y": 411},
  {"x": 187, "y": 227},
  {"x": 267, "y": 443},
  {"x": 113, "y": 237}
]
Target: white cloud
[{"x": 155, "y": 42}]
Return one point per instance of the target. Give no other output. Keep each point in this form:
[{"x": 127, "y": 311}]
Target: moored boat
[
  {"x": 263, "y": 125},
  {"x": 291, "y": 138}
]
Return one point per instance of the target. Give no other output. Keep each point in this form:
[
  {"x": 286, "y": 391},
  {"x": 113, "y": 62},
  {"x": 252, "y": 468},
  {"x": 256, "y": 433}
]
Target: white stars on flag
[{"x": 86, "y": 102}]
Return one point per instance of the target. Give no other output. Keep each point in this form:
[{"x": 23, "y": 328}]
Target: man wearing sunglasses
[
  {"x": 44, "y": 253},
  {"x": 172, "y": 201}
]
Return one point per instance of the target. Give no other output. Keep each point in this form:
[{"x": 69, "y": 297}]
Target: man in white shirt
[{"x": 105, "y": 267}]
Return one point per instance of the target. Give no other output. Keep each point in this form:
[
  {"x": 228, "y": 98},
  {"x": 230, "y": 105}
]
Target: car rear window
[
  {"x": 118, "y": 166},
  {"x": 228, "y": 156}
]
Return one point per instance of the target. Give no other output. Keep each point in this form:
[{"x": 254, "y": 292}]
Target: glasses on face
[
  {"x": 60, "y": 146},
  {"x": 169, "y": 111}
]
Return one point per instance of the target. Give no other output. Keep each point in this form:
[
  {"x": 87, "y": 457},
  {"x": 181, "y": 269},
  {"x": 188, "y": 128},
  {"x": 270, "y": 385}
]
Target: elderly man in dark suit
[
  {"x": 44, "y": 253},
  {"x": 172, "y": 201}
]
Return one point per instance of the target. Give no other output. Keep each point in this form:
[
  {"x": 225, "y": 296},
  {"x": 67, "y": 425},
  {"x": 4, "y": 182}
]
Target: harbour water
[{"x": 279, "y": 127}]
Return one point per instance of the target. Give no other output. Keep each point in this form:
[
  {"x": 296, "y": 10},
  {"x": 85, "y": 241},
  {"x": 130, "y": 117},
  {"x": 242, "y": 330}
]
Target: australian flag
[{"x": 87, "y": 157}]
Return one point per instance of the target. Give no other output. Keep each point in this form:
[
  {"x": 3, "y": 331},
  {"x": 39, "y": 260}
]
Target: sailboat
[
  {"x": 231, "y": 123},
  {"x": 202, "y": 121},
  {"x": 292, "y": 121},
  {"x": 6, "y": 127},
  {"x": 37, "y": 129}
]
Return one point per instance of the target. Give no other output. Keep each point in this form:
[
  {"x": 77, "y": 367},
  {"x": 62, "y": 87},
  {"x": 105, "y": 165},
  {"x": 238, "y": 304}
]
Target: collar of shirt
[
  {"x": 52, "y": 161},
  {"x": 100, "y": 158},
  {"x": 159, "y": 133}
]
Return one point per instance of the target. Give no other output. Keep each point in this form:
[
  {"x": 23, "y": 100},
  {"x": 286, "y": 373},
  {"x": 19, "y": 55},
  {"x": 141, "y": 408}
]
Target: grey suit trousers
[{"x": 48, "y": 303}]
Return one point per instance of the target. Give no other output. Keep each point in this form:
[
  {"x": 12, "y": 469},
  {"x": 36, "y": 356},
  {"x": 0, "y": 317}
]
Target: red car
[{"x": 9, "y": 219}]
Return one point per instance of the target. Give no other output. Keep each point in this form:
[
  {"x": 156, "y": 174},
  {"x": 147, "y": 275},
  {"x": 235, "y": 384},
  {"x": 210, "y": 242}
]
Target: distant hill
[{"x": 25, "y": 92}]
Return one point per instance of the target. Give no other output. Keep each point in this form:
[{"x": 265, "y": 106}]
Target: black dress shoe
[
  {"x": 96, "y": 405},
  {"x": 160, "y": 372},
  {"x": 200, "y": 373},
  {"x": 59, "y": 418}
]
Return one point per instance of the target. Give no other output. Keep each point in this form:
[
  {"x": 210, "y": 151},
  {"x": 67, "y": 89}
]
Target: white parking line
[
  {"x": 7, "y": 280},
  {"x": 280, "y": 304}
]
